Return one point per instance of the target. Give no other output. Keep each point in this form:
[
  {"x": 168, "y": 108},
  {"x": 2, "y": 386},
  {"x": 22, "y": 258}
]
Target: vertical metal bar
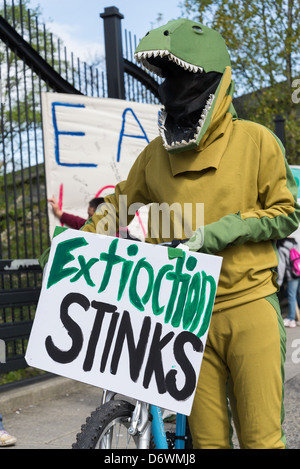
[
  {"x": 5, "y": 10},
  {"x": 52, "y": 50},
  {"x": 28, "y": 132},
  {"x": 85, "y": 78},
  {"x": 35, "y": 143},
  {"x": 13, "y": 173},
  {"x": 21, "y": 18},
  {"x": 59, "y": 62},
  {"x": 32, "y": 231},
  {"x": 4, "y": 134},
  {"x": 180, "y": 431},
  {"x": 21, "y": 154},
  {"x": 45, "y": 42},
  {"x": 130, "y": 46},
  {"x": 79, "y": 73},
  {"x": 73, "y": 70},
  {"x": 42, "y": 164},
  {"x": 158, "y": 430},
  {"x": 66, "y": 63},
  {"x": 92, "y": 81},
  {"x": 97, "y": 82},
  {"x": 13, "y": 13},
  {"x": 279, "y": 128},
  {"x": 113, "y": 52},
  {"x": 103, "y": 84}
]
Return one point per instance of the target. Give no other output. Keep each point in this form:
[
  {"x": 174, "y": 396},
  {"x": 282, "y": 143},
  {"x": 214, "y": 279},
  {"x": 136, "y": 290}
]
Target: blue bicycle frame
[{"x": 158, "y": 430}]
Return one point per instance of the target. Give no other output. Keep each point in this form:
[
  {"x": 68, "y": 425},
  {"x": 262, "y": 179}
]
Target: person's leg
[
  {"x": 292, "y": 289},
  {"x": 256, "y": 360},
  {"x": 5, "y": 438},
  {"x": 249, "y": 342},
  {"x": 209, "y": 420},
  {"x": 298, "y": 295}
]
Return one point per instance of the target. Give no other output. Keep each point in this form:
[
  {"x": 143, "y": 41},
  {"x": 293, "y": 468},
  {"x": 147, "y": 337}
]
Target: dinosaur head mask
[{"x": 192, "y": 59}]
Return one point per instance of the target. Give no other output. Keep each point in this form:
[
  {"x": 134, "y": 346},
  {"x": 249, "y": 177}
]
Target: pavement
[{"x": 49, "y": 414}]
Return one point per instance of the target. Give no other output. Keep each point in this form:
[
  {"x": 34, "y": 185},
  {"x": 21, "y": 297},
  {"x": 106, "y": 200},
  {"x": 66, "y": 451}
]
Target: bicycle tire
[{"x": 102, "y": 428}]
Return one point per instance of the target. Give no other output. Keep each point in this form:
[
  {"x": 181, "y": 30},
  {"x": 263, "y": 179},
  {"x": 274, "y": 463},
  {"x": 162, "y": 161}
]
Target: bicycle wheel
[{"x": 107, "y": 427}]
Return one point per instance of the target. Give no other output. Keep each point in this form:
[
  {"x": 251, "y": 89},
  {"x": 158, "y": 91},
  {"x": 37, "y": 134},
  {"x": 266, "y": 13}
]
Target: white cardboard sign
[
  {"x": 90, "y": 145},
  {"x": 125, "y": 316}
]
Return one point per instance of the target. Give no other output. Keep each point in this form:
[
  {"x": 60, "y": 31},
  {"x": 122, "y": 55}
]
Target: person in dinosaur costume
[{"x": 237, "y": 169}]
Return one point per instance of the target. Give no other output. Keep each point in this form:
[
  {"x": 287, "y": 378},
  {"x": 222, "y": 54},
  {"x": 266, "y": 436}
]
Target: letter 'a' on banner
[
  {"x": 90, "y": 144},
  {"x": 125, "y": 316}
]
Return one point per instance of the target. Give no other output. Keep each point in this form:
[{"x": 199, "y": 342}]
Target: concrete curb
[{"x": 32, "y": 394}]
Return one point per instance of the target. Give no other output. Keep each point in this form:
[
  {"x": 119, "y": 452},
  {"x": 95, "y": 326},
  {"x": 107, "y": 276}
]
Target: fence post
[
  {"x": 113, "y": 52},
  {"x": 279, "y": 128}
]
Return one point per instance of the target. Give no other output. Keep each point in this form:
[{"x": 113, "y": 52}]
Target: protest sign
[
  {"x": 90, "y": 145},
  {"x": 125, "y": 316}
]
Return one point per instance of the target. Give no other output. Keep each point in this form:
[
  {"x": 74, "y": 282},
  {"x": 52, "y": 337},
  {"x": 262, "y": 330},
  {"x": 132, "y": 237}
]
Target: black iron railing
[{"x": 32, "y": 60}]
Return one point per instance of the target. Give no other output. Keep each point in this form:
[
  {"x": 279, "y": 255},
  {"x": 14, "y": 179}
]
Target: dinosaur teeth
[
  {"x": 142, "y": 57},
  {"x": 183, "y": 143},
  {"x": 204, "y": 114},
  {"x": 162, "y": 115}
]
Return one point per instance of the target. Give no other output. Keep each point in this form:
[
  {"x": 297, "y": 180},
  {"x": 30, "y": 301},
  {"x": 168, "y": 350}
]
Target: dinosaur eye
[
  {"x": 166, "y": 33},
  {"x": 197, "y": 29}
]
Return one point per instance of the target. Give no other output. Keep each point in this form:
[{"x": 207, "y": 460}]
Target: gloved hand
[{"x": 230, "y": 230}]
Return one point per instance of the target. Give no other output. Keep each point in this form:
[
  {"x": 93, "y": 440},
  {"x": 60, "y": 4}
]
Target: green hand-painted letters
[{"x": 191, "y": 295}]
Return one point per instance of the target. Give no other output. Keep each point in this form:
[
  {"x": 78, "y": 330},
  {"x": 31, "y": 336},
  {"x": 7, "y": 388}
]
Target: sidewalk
[{"x": 48, "y": 415}]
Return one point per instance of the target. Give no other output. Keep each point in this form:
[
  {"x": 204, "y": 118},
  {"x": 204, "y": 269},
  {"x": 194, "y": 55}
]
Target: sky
[{"x": 78, "y": 24}]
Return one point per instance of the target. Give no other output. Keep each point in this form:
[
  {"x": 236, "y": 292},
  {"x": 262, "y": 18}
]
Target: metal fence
[{"x": 32, "y": 60}]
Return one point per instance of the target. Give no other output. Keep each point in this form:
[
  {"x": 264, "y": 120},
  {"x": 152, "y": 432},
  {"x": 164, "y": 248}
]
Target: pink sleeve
[{"x": 72, "y": 221}]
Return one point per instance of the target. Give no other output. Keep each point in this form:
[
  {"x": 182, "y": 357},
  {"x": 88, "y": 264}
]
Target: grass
[{"x": 19, "y": 375}]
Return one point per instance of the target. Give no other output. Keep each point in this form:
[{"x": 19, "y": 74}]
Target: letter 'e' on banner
[
  {"x": 125, "y": 316},
  {"x": 90, "y": 145}
]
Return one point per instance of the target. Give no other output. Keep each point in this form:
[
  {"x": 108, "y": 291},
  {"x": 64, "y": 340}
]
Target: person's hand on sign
[{"x": 55, "y": 207}]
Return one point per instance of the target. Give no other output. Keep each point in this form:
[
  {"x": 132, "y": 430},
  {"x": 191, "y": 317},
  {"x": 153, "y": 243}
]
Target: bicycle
[
  {"x": 132, "y": 424},
  {"x": 120, "y": 424}
]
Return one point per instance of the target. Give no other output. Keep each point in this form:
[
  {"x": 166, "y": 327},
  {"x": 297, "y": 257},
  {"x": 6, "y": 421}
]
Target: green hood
[{"x": 192, "y": 58}]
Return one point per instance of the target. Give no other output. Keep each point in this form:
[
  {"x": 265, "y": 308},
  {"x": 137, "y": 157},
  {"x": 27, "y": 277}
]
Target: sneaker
[
  {"x": 286, "y": 322},
  {"x": 289, "y": 322},
  {"x": 6, "y": 439}
]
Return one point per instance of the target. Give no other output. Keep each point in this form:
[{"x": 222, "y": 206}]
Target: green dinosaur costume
[
  {"x": 237, "y": 169},
  {"x": 167, "y": 52}
]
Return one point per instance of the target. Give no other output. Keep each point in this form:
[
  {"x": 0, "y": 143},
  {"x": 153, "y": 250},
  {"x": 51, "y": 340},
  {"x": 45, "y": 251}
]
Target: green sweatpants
[{"x": 243, "y": 361}]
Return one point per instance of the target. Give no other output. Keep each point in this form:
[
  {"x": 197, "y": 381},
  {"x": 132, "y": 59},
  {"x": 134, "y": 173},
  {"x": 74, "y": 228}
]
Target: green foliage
[
  {"x": 263, "y": 38},
  {"x": 19, "y": 375},
  {"x": 23, "y": 219}
]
